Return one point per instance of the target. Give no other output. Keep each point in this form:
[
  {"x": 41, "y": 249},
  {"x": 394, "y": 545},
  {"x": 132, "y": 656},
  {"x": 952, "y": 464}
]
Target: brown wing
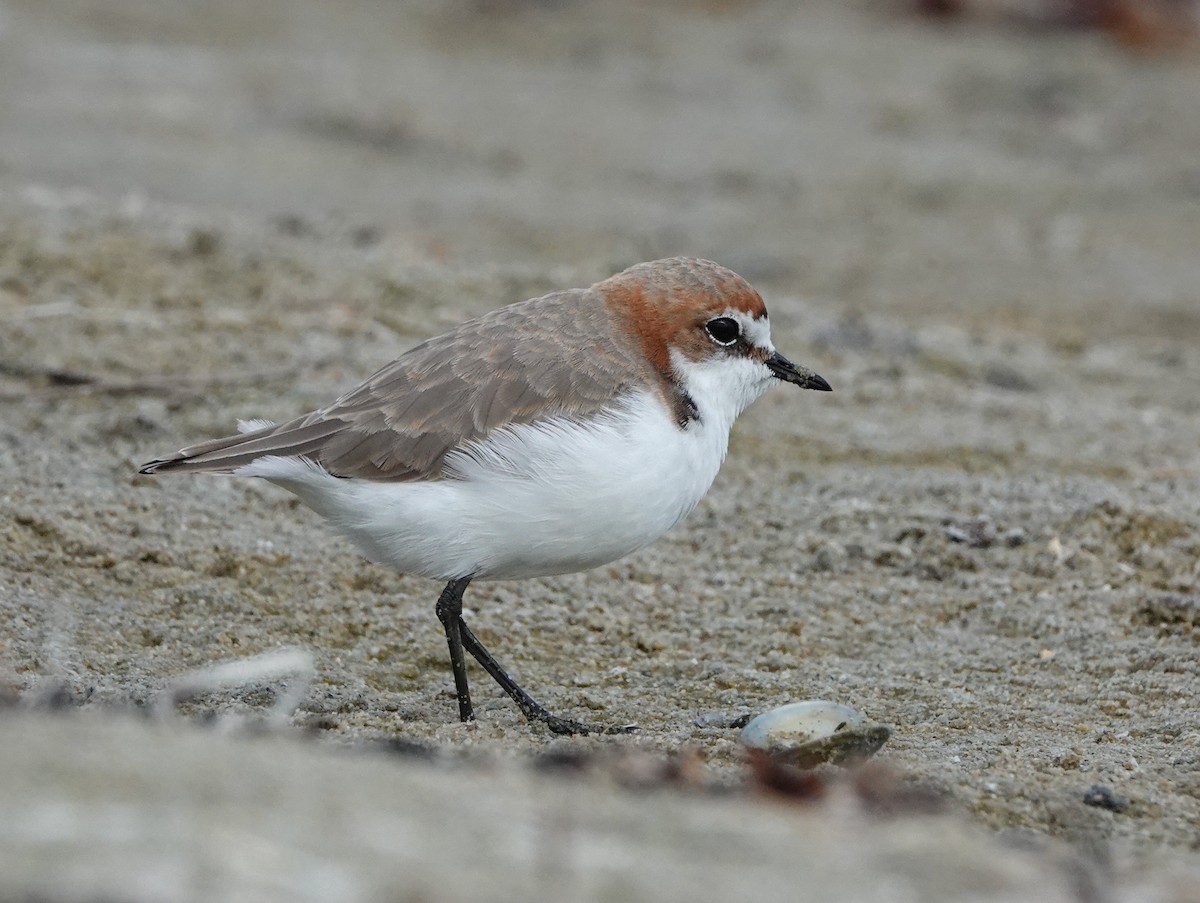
[{"x": 555, "y": 355}]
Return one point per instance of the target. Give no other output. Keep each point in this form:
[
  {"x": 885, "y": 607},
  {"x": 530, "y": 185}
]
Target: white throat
[{"x": 721, "y": 388}]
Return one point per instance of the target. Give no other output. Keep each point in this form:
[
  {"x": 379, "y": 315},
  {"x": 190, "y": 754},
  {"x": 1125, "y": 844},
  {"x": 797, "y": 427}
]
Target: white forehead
[{"x": 755, "y": 330}]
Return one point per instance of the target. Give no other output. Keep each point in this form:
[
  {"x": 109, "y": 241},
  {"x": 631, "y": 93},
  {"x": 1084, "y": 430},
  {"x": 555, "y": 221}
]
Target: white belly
[{"x": 532, "y": 500}]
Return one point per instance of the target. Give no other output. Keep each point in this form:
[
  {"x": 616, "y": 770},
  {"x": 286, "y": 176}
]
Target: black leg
[
  {"x": 459, "y": 637},
  {"x": 449, "y": 612},
  {"x": 530, "y": 707}
]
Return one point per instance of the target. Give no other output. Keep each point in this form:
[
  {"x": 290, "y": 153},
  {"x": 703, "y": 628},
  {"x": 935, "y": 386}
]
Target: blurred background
[{"x": 1004, "y": 160}]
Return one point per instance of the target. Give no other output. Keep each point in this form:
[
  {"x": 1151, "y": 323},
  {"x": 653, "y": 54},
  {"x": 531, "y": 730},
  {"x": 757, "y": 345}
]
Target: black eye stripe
[{"x": 723, "y": 330}]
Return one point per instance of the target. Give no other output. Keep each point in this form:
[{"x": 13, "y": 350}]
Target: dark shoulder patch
[{"x": 685, "y": 411}]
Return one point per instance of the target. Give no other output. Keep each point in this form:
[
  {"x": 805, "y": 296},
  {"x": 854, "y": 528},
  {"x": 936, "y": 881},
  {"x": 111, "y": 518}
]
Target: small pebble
[
  {"x": 978, "y": 533},
  {"x": 1014, "y": 537},
  {"x": 718, "y": 719},
  {"x": 1102, "y": 797}
]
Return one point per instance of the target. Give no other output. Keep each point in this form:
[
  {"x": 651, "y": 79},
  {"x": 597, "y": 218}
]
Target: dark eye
[{"x": 723, "y": 330}]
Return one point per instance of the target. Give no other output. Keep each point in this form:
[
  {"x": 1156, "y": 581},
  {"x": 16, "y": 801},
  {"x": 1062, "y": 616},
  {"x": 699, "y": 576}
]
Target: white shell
[{"x": 810, "y": 733}]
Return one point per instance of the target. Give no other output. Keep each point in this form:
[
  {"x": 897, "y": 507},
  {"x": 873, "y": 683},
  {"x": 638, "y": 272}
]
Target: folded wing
[{"x": 552, "y": 356}]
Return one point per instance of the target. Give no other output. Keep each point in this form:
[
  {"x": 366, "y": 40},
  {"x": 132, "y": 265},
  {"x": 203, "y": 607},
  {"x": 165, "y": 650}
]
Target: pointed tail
[{"x": 228, "y": 454}]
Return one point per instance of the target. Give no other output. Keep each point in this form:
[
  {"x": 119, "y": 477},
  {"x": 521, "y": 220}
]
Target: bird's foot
[{"x": 568, "y": 727}]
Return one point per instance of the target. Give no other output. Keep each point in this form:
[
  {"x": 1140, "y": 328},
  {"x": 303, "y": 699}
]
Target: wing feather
[{"x": 557, "y": 355}]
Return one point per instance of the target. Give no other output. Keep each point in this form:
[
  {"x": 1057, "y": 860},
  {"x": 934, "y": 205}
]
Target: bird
[{"x": 550, "y": 436}]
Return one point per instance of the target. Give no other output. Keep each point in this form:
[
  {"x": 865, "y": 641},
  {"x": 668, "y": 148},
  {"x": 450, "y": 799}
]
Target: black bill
[{"x": 793, "y": 373}]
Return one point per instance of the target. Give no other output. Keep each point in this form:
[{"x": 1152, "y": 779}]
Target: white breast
[{"x": 533, "y": 499}]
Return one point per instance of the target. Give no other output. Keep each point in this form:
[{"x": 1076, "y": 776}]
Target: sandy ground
[{"x": 983, "y": 236}]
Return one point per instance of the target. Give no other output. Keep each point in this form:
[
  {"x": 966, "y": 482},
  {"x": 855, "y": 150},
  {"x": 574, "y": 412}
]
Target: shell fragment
[{"x": 815, "y": 732}]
